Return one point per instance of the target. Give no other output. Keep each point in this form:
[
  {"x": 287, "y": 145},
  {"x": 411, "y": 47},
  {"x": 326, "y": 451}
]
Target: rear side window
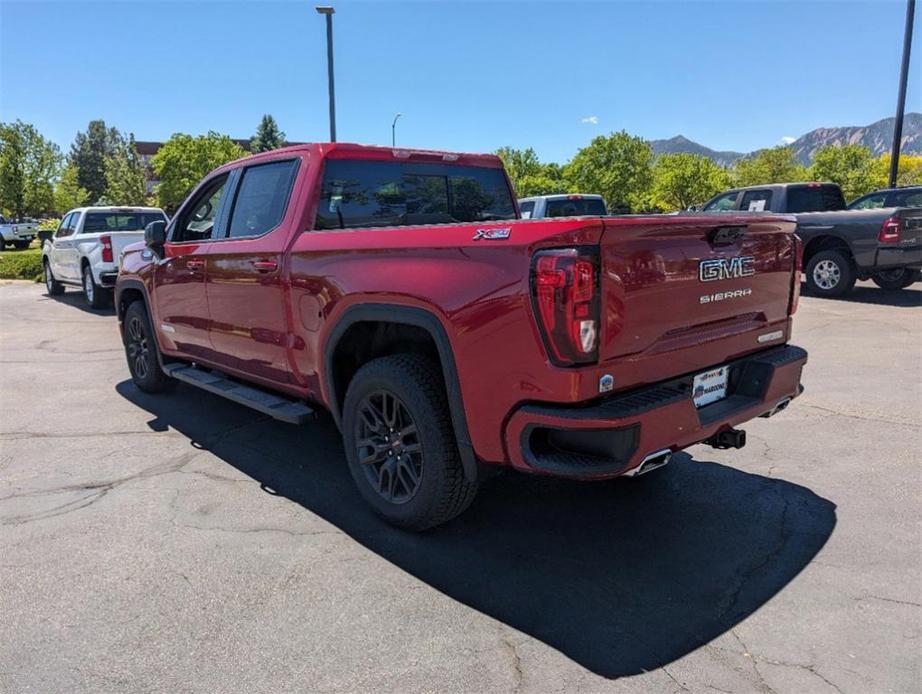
[
  {"x": 815, "y": 199},
  {"x": 359, "y": 194},
  {"x": 756, "y": 201},
  {"x": 911, "y": 199},
  {"x": 574, "y": 207},
  {"x": 97, "y": 222},
  {"x": 527, "y": 209},
  {"x": 262, "y": 198}
]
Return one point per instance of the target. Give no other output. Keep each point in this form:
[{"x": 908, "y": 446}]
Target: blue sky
[{"x": 466, "y": 76}]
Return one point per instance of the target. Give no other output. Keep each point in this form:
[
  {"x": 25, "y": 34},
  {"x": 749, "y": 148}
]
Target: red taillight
[
  {"x": 106, "y": 242},
  {"x": 566, "y": 294},
  {"x": 890, "y": 231},
  {"x": 795, "y": 280}
]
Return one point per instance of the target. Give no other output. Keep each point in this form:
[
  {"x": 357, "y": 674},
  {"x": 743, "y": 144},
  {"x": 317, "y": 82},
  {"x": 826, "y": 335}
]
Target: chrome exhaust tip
[
  {"x": 650, "y": 462},
  {"x": 777, "y": 408}
]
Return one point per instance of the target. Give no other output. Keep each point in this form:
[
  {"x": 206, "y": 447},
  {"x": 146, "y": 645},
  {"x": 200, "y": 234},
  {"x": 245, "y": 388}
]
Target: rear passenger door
[{"x": 249, "y": 328}]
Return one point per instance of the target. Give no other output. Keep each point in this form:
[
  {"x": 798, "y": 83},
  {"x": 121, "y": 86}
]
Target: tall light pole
[
  {"x": 394, "y": 130},
  {"x": 901, "y": 98},
  {"x": 328, "y": 11}
]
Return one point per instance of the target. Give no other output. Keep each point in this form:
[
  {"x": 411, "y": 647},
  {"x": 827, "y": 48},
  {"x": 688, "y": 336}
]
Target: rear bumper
[
  {"x": 107, "y": 278},
  {"x": 894, "y": 257},
  {"x": 613, "y": 437}
]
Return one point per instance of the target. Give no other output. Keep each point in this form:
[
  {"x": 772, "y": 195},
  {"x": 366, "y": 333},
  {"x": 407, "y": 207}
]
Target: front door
[
  {"x": 62, "y": 253},
  {"x": 181, "y": 306},
  {"x": 249, "y": 330}
]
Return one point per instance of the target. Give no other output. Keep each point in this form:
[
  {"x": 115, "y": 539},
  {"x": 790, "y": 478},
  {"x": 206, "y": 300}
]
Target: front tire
[
  {"x": 401, "y": 445},
  {"x": 141, "y": 351},
  {"x": 893, "y": 280},
  {"x": 97, "y": 297},
  {"x": 830, "y": 274},
  {"x": 52, "y": 286}
]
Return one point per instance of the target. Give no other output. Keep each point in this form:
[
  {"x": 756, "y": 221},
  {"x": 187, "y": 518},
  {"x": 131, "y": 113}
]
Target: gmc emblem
[{"x": 726, "y": 268}]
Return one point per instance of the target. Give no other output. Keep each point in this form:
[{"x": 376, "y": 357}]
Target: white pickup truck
[
  {"x": 85, "y": 250},
  {"x": 18, "y": 234}
]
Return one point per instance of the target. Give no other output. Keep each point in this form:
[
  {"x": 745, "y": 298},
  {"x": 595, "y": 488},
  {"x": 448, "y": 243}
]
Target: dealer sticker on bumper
[{"x": 710, "y": 386}]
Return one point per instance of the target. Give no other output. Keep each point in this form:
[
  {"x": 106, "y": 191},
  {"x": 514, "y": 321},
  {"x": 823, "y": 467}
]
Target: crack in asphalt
[
  {"x": 682, "y": 687},
  {"x": 98, "y": 490},
  {"x": 756, "y": 659},
  {"x": 866, "y": 597},
  {"x": 755, "y": 667},
  {"x": 512, "y": 651},
  {"x": 862, "y": 416},
  {"x": 784, "y": 535}
]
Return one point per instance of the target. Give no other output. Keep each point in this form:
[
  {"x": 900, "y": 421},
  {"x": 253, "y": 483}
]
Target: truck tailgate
[
  {"x": 674, "y": 283},
  {"x": 121, "y": 239}
]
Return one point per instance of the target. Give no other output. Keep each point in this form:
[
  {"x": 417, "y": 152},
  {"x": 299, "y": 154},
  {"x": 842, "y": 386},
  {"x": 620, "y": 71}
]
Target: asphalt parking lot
[{"x": 182, "y": 543}]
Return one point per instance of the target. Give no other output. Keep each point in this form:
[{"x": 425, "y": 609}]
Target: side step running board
[{"x": 275, "y": 406}]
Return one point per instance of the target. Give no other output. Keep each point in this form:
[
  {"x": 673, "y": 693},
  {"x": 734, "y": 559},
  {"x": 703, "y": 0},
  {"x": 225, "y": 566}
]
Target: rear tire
[
  {"x": 141, "y": 351},
  {"x": 97, "y": 297},
  {"x": 21, "y": 245},
  {"x": 401, "y": 445},
  {"x": 52, "y": 286},
  {"x": 2, "y": 244},
  {"x": 893, "y": 280},
  {"x": 830, "y": 274}
]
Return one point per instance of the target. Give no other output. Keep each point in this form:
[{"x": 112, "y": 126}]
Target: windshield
[
  {"x": 119, "y": 221},
  {"x": 567, "y": 207}
]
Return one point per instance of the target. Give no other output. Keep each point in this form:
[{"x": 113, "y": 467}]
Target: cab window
[
  {"x": 869, "y": 202},
  {"x": 756, "y": 201},
  {"x": 262, "y": 198},
  {"x": 722, "y": 203},
  {"x": 198, "y": 219}
]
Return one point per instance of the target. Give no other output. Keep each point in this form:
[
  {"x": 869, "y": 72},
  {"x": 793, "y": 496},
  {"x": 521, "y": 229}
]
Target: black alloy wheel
[{"x": 388, "y": 447}]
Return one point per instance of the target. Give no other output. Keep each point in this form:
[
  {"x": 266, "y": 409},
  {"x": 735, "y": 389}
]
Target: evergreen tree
[
  {"x": 89, "y": 154},
  {"x": 268, "y": 136}
]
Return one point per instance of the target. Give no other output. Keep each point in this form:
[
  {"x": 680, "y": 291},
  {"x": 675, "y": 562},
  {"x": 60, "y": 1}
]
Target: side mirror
[{"x": 155, "y": 236}]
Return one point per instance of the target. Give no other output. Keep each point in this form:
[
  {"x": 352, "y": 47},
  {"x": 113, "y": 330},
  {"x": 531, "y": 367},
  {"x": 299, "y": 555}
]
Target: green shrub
[
  {"x": 21, "y": 265},
  {"x": 49, "y": 225}
]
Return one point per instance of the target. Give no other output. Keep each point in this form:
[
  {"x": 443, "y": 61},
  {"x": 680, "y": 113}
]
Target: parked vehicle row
[
  {"x": 85, "y": 249},
  {"x": 449, "y": 337},
  {"x": 841, "y": 244}
]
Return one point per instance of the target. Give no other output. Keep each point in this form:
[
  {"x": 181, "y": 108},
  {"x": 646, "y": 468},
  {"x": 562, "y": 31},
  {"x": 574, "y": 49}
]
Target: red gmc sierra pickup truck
[{"x": 401, "y": 291}]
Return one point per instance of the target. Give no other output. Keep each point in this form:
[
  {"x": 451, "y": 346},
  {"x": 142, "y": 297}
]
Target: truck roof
[
  {"x": 349, "y": 150},
  {"x": 563, "y": 196},
  {"x": 115, "y": 208},
  {"x": 780, "y": 186}
]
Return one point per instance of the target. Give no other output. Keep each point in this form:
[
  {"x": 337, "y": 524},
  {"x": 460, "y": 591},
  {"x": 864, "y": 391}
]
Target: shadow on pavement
[
  {"x": 75, "y": 297},
  {"x": 622, "y": 576}
]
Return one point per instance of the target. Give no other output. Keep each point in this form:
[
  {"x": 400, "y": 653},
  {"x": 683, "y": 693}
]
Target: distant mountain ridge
[{"x": 876, "y": 136}]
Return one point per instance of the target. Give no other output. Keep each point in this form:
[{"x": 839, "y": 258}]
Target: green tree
[
  {"x": 853, "y": 167},
  {"x": 268, "y": 136},
  {"x": 89, "y": 154},
  {"x": 682, "y": 180},
  {"x": 529, "y": 176},
  {"x": 184, "y": 160},
  {"x": 67, "y": 191},
  {"x": 908, "y": 173},
  {"x": 616, "y": 166},
  {"x": 28, "y": 166},
  {"x": 775, "y": 165},
  {"x": 125, "y": 183}
]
